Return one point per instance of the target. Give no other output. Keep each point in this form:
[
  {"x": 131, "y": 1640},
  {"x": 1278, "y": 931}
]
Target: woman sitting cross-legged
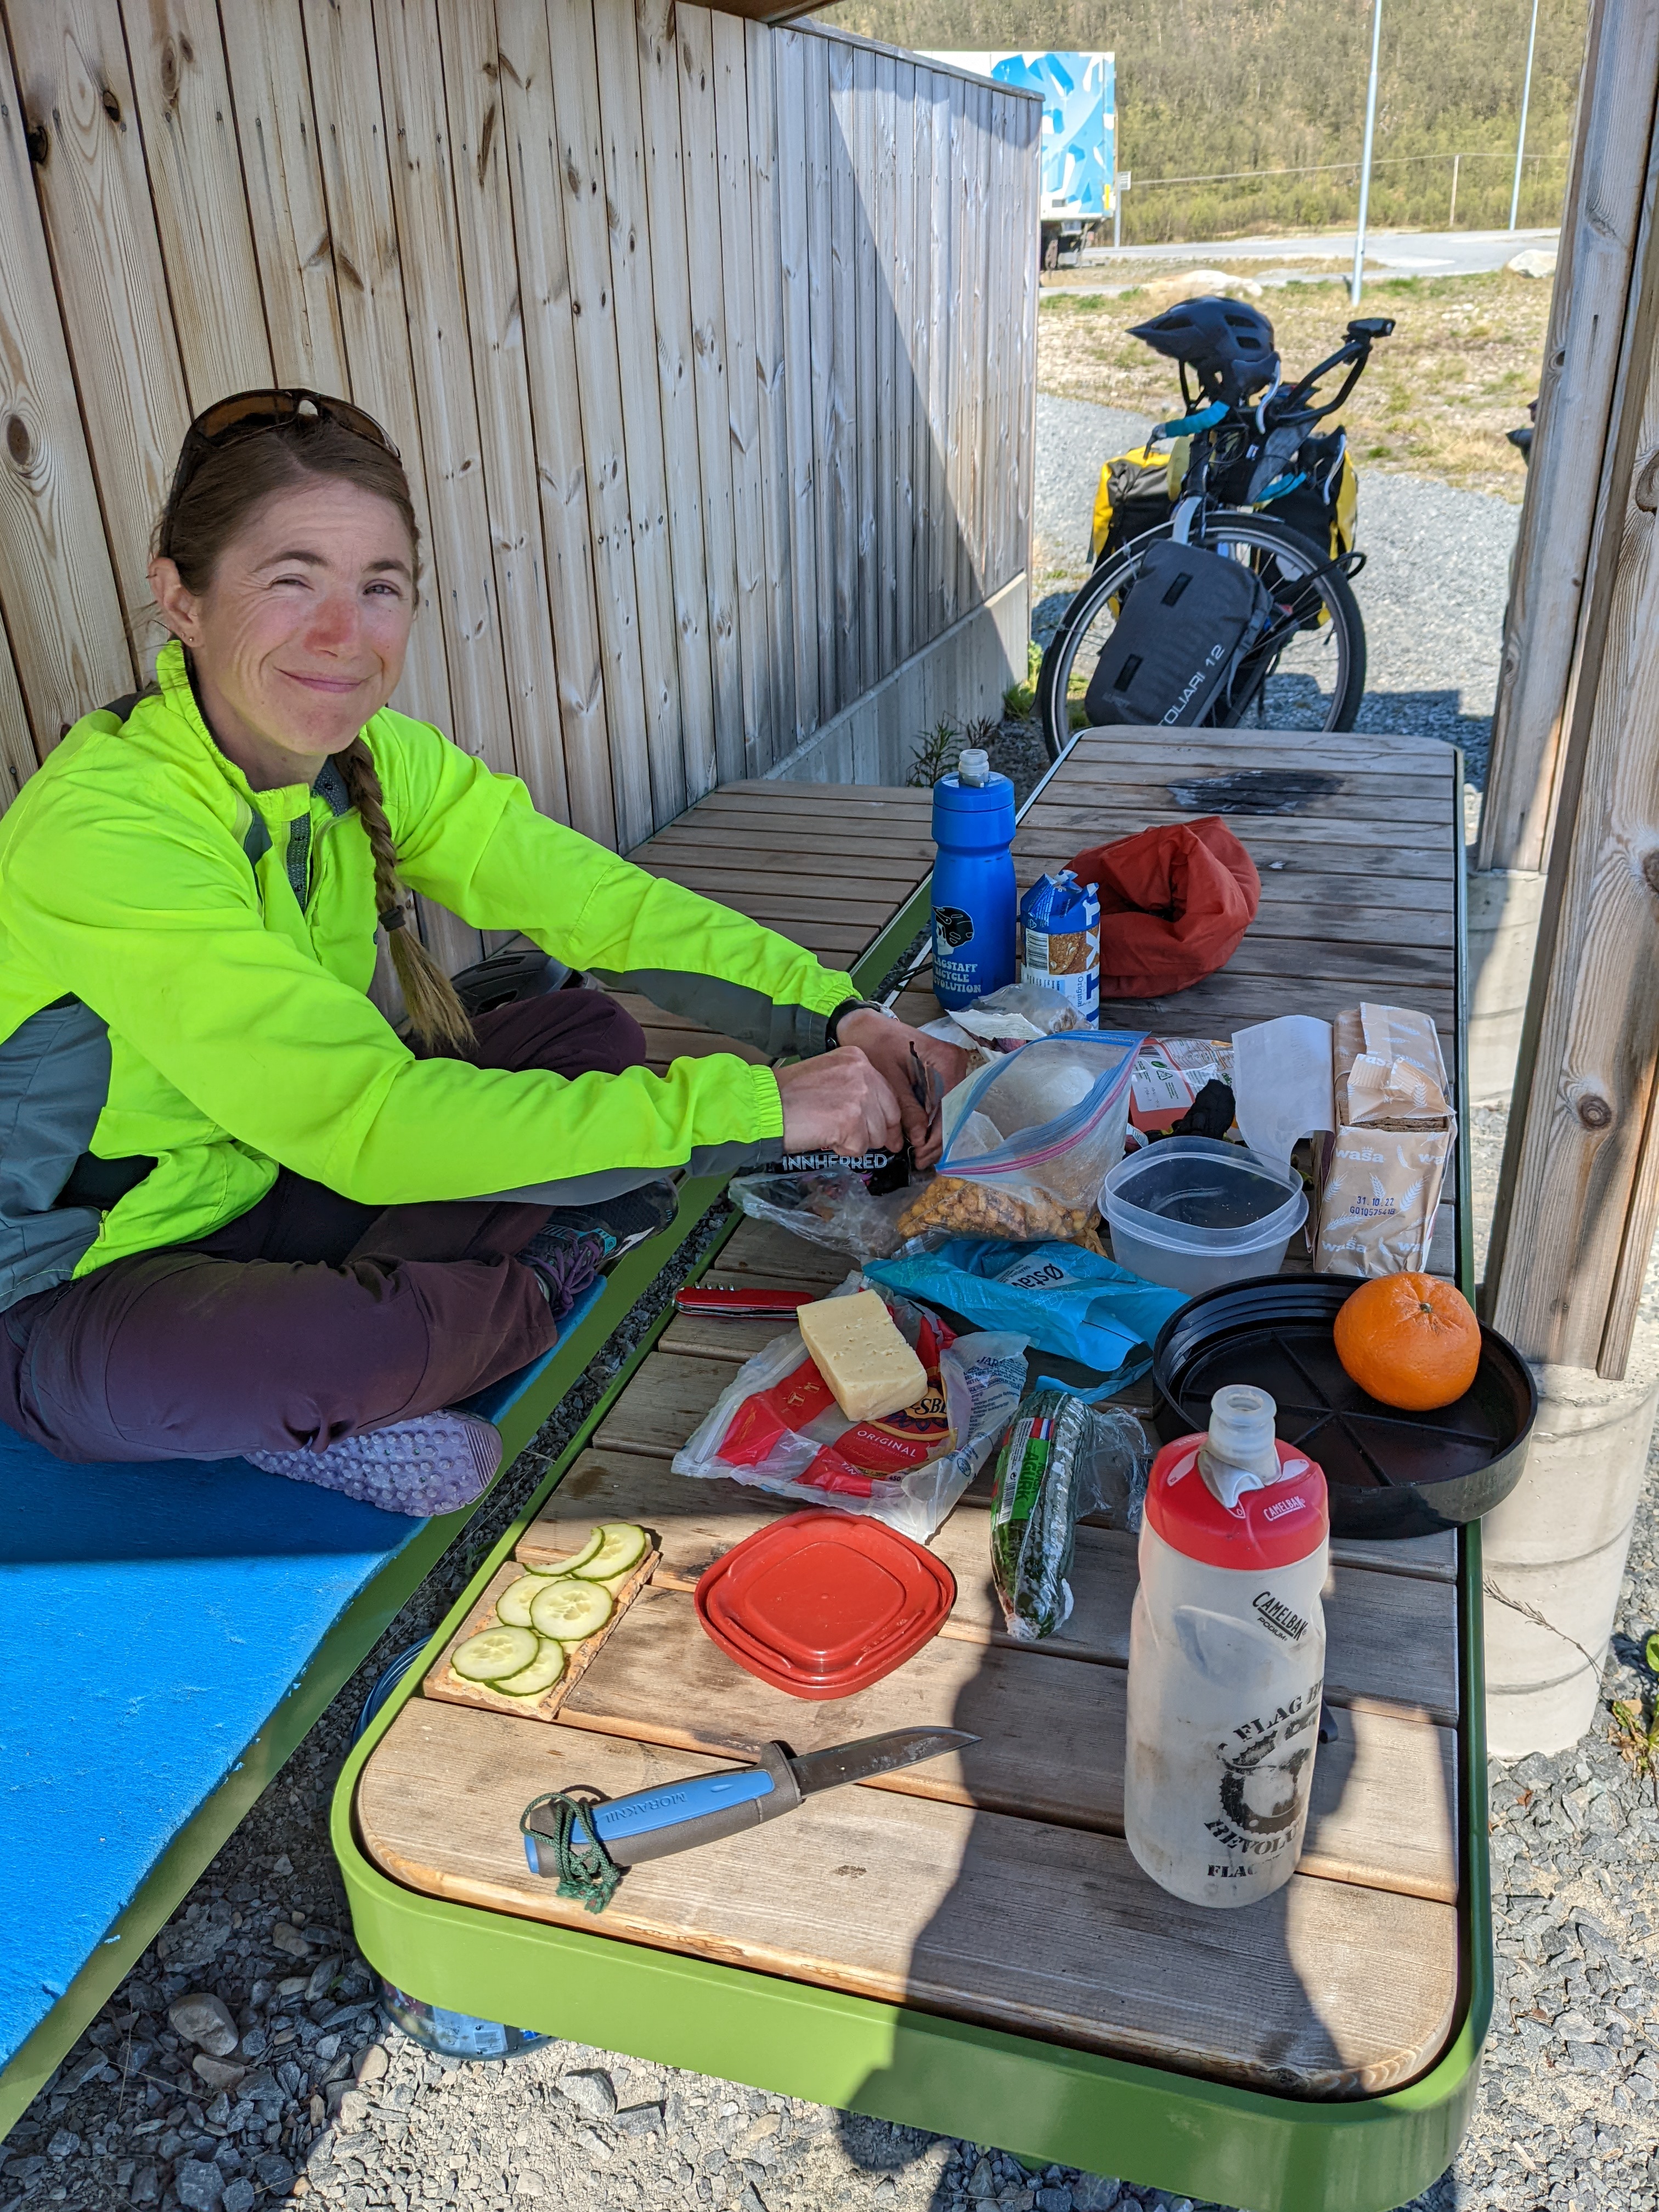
[{"x": 239, "y": 1213}]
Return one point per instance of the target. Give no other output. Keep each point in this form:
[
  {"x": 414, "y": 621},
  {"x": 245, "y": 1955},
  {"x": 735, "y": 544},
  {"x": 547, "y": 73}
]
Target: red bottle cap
[
  {"x": 823, "y": 1604},
  {"x": 1271, "y": 1528}
]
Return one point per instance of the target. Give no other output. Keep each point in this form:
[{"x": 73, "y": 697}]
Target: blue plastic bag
[{"x": 1063, "y": 1299}]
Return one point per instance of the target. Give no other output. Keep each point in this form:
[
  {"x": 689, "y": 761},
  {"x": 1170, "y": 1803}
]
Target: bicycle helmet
[{"x": 1227, "y": 343}]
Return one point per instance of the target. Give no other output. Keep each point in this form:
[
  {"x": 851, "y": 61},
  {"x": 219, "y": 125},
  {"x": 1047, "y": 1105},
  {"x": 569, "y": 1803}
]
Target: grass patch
[{"x": 1438, "y": 396}]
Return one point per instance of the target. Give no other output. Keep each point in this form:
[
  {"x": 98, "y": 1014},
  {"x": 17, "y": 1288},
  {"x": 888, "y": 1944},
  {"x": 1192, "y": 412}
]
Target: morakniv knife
[{"x": 652, "y": 1823}]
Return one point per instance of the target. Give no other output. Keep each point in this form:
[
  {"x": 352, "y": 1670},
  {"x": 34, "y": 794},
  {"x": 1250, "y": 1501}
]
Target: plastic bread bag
[
  {"x": 1017, "y": 1014},
  {"x": 1033, "y": 1136},
  {"x": 831, "y": 1206},
  {"x": 1061, "y": 1459},
  {"x": 1061, "y": 1297},
  {"x": 778, "y": 1428}
]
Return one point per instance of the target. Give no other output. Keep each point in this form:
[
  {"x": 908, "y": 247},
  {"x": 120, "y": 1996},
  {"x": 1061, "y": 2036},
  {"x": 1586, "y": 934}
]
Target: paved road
[{"x": 1402, "y": 253}]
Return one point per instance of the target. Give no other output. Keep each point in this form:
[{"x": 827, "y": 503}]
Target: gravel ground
[{"x": 298, "y": 2086}]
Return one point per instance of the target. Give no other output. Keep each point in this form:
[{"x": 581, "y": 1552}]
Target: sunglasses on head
[{"x": 246, "y": 414}]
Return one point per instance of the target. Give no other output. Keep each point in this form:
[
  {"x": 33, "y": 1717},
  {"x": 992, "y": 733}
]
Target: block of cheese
[{"x": 861, "y": 1356}]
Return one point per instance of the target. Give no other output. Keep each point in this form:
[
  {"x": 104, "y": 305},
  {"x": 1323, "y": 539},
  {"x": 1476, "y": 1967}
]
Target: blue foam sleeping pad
[{"x": 152, "y": 1619}]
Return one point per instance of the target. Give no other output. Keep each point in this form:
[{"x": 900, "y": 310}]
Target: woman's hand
[
  {"x": 838, "y": 1103},
  {"x": 887, "y": 1046}
]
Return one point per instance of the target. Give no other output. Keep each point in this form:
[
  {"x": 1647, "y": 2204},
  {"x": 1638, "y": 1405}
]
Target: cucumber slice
[
  {"x": 570, "y": 1609},
  {"x": 513, "y": 1606},
  {"x": 623, "y": 1547},
  {"x": 543, "y": 1672},
  {"x": 572, "y": 1560},
  {"x": 495, "y": 1653}
]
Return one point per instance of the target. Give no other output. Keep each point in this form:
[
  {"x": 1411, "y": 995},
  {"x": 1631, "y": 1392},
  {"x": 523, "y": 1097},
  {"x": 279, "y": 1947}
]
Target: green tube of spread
[{"x": 1059, "y": 1460}]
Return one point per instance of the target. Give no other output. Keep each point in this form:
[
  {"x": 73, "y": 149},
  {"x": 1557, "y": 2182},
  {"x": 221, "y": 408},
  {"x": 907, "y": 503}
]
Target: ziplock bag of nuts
[{"x": 1028, "y": 1141}]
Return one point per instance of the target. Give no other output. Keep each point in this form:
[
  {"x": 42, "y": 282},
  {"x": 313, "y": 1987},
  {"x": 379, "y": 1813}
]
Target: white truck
[{"x": 1080, "y": 138}]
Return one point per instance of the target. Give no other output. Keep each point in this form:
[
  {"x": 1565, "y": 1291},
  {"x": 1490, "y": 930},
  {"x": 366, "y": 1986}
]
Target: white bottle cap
[
  {"x": 973, "y": 768},
  {"x": 1242, "y": 1426}
]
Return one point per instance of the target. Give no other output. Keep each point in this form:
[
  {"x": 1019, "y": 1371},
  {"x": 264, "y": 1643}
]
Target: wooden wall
[{"x": 710, "y": 348}]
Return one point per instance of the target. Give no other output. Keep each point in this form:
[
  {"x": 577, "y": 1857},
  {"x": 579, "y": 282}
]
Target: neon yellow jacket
[{"x": 184, "y": 964}]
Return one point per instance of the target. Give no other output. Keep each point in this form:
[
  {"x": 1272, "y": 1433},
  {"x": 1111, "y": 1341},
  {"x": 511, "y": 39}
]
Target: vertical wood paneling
[
  {"x": 422, "y": 196},
  {"x": 867, "y": 315},
  {"x": 1000, "y": 330},
  {"x": 616, "y": 43},
  {"x": 707, "y": 346},
  {"x": 700, "y": 154},
  {"x": 786, "y": 729},
  {"x": 530, "y": 130},
  {"x": 675, "y": 354},
  {"x": 934, "y": 118},
  {"x": 843, "y": 372},
  {"x": 736, "y": 268},
  {"x": 575, "y": 87},
  {"x": 494, "y": 325},
  {"x": 17, "y": 761},
  {"x": 884, "y": 295},
  {"x": 1023, "y": 394},
  {"x": 266, "y": 55},
  {"x": 984, "y": 416},
  {"x": 800, "y": 487},
  {"x": 90, "y": 170},
  {"x": 351, "y": 138},
  {"x": 183, "y": 97},
  {"x": 956, "y": 308},
  {"x": 57, "y": 593},
  {"x": 820, "y": 294},
  {"x": 905, "y": 356}
]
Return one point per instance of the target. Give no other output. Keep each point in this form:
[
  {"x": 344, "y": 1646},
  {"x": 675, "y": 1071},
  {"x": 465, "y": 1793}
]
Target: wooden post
[
  {"x": 1579, "y": 1198},
  {"x": 1612, "y": 156}
]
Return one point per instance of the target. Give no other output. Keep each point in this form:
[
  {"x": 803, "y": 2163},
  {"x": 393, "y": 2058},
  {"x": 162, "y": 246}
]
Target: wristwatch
[{"x": 832, "y": 1027}]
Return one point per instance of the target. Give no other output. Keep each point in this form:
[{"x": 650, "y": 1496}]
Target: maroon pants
[{"x": 309, "y": 1317}]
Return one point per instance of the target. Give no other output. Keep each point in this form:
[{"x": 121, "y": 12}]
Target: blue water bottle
[{"x": 973, "y": 882}]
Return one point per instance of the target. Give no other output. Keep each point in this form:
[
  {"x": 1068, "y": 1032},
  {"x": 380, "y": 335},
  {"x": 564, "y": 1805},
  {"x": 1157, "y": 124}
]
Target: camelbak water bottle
[
  {"x": 1227, "y": 1658},
  {"x": 973, "y": 882}
]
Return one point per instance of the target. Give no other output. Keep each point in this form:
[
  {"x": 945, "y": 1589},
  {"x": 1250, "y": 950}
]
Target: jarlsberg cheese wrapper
[{"x": 868, "y": 1365}]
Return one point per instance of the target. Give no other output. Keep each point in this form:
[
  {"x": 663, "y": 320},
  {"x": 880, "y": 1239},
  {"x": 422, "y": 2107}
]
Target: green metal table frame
[{"x": 1045, "y": 2101}]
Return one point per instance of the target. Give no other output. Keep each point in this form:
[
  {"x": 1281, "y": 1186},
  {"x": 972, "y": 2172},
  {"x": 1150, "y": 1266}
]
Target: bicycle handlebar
[{"x": 1361, "y": 337}]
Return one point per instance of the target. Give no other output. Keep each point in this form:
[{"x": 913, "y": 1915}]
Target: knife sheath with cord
[{"x": 587, "y": 1842}]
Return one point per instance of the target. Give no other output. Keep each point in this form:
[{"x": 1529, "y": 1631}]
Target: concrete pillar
[
  {"x": 1503, "y": 906},
  {"x": 1554, "y": 1556}
]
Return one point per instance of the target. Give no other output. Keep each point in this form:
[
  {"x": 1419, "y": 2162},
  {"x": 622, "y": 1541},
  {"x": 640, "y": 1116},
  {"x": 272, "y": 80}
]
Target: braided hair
[{"x": 196, "y": 528}]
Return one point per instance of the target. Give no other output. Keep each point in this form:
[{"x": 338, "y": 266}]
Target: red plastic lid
[
  {"x": 1271, "y": 1528},
  {"x": 823, "y": 1604}
]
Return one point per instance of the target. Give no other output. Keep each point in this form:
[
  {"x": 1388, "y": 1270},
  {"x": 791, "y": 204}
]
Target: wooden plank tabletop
[
  {"x": 824, "y": 864},
  {"x": 996, "y": 1887}
]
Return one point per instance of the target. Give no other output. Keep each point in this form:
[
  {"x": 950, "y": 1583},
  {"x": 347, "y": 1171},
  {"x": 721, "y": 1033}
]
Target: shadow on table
[{"x": 1061, "y": 1938}]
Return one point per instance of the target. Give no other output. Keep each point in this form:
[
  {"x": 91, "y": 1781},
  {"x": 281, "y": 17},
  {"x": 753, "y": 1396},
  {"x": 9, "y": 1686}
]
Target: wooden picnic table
[{"x": 995, "y": 1888}]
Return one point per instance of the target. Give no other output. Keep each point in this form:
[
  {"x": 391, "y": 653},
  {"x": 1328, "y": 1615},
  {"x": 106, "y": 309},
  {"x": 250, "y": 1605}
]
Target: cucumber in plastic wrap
[{"x": 1059, "y": 1460}]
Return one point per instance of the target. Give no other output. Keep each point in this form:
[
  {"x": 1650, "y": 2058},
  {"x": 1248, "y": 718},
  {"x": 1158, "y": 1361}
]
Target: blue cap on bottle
[{"x": 974, "y": 806}]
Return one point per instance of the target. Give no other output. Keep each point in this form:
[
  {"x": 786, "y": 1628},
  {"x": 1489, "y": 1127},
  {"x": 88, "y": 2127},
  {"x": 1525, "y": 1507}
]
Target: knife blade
[
  {"x": 651, "y": 1824},
  {"x": 873, "y": 1754}
]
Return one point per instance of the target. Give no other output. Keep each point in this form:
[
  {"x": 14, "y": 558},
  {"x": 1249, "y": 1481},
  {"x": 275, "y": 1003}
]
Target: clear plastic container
[{"x": 1191, "y": 1214}]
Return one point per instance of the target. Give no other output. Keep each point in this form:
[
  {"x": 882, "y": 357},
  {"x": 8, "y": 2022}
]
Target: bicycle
[{"x": 1305, "y": 668}]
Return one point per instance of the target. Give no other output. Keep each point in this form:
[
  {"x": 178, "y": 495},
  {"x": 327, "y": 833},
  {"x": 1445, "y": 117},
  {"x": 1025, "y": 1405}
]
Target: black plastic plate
[{"x": 1390, "y": 1473}]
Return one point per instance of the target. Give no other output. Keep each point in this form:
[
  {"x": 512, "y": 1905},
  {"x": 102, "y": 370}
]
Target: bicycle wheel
[{"x": 1306, "y": 672}]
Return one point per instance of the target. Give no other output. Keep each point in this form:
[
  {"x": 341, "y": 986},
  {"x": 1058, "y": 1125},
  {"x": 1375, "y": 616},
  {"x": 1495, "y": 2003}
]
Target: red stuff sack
[{"x": 1175, "y": 901}]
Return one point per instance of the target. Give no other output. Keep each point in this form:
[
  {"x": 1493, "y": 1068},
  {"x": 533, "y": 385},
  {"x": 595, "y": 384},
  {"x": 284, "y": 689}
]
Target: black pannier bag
[{"x": 1190, "y": 617}]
